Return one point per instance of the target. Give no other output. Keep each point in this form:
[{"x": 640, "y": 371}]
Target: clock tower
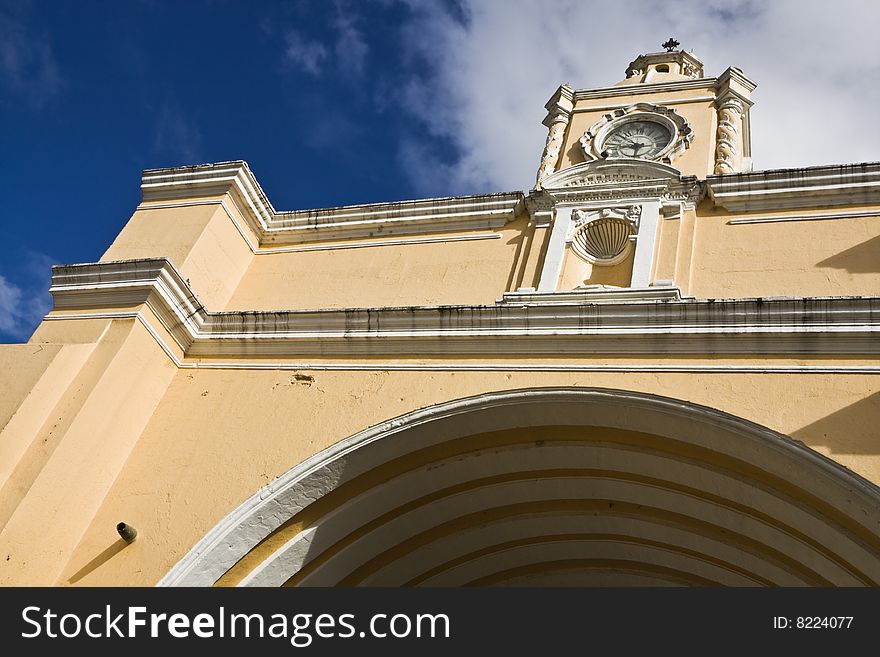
[
  {"x": 665, "y": 110},
  {"x": 621, "y": 170}
]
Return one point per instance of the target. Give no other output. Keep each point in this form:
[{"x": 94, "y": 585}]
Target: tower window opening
[{"x": 663, "y": 68}]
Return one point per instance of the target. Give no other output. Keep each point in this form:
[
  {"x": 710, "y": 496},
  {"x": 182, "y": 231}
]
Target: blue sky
[{"x": 337, "y": 102}]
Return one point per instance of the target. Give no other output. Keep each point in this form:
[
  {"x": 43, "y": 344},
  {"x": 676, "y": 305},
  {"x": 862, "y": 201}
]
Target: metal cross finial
[{"x": 671, "y": 45}]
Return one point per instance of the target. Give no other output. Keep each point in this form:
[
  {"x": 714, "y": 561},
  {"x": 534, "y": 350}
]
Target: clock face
[{"x": 641, "y": 139}]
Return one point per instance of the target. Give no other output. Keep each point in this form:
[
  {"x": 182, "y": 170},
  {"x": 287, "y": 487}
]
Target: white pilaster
[
  {"x": 645, "y": 241},
  {"x": 555, "y": 250}
]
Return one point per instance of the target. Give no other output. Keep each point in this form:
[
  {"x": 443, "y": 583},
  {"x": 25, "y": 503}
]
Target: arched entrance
[{"x": 551, "y": 487}]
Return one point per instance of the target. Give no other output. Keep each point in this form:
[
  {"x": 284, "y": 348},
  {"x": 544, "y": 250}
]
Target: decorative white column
[
  {"x": 728, "y": 145},
  {"x": 558, "y": 122},
  {"x": 559, "y": 109}
]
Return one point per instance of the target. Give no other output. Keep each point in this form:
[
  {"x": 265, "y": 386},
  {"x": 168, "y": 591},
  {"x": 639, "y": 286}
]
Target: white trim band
[
  {"x": 517, "y": 325},
  {"x": 853, "y": 214}
]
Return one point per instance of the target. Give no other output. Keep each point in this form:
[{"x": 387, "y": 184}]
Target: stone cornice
[
  {"x": 617, "y": 180},
  {"x": 736, "y": 74},
  {"x": 641, "y": 89},
  {"x": 215, "y": 179},
  {"x": 731, "y": 78},
  {"x": 559, "y": 106},
  {"x": 517, "y": 326},
  {"x": 810, "y": 187},
  {"x": 561, "y": 103},
  {"x": 438, "y": 215}
]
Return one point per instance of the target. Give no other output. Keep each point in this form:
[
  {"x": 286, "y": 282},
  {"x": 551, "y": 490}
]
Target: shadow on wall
[
  {"x": 851, "y": 430},
  {"x": 98, "y": 561},
  {"x": 862, "y": 258},
  {"x": 519, "y": 258}
]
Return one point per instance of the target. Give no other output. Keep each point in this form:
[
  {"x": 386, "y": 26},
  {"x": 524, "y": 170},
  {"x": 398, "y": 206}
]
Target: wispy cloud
[
  {"x": 28, "y": 69},
  {"x": 351, "y": 48},
  {"x": 304, "y": 53},
  {"x": 345, "y": 49},
  {"x": 176, "y": 136},
  {"x": 491, "y": 66},
  {"x": 430, "y": 176},
  {"x": 25, "y": 303}
]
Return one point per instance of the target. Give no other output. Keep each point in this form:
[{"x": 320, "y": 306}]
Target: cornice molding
[
  {"x": 810, "y": 187},
  {"x": 436, "y": 215},
  {"x": 559, "y": 106},
  {"x": 641, "y": 89},
  {"x": 517, "y": 325},
  {"x": 731, "y": 77},
  {"x": 619, "y": 180},
  {"x": 733, "y": 82}
]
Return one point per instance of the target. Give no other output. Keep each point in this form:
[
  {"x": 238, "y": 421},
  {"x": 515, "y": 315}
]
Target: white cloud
[
  {"x": 304, "y": 53},
  {"x": 27, "y": 63},
  {"x": 21, "y": 309},
  {"x": 815, "y": 63},
  {"x": 347, "y": 52},
  {"x": 10, "y": 306},
  {"x": 351, "y": 49},
  {"x": 25, "y": 303}
]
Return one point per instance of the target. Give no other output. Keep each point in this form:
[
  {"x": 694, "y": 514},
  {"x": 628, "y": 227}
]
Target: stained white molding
[
  {"x": 449, "y": 366},
  {"x": 593, "y": 294},
  {"x": 438, "y": 215},
  {"x": 540, "y": 325},
  {"x": 810, "y": 187}
]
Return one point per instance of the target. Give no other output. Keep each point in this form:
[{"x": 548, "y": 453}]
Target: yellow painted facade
[{"x": 481, "y": 390}]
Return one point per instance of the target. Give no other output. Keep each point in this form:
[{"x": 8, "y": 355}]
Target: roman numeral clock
[{"x": 640, "y": 131}]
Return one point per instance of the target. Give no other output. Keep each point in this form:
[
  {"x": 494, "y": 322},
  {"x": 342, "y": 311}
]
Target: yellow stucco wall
[
  {"x": 417, "y": 273},
  {"x": 70, "y": 459},
  {"x": 28, "y": 362},
  {"x": 578, "y": 272},
  {"x": 217, "y": 436},
  {"x": 793, "y": 258},
  {"x": 201, "y": 240}
]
